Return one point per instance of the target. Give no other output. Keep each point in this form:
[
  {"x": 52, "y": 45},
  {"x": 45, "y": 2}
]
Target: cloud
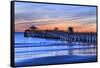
[{"x": 51, "y": 15}]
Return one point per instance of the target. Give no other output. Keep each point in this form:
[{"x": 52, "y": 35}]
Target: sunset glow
[{"x": 50, "y": 16}]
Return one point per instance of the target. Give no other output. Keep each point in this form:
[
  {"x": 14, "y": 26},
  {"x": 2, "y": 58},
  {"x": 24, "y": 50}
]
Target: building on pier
[{"x": 70, "y": 30}]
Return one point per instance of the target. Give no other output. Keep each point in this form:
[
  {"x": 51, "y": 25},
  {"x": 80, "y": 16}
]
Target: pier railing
[{"x": 85, "y": 37}]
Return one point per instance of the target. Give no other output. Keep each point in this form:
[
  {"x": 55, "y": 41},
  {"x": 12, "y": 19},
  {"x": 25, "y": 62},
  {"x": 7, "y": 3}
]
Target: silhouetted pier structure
[{"x": 84, "y": 37}]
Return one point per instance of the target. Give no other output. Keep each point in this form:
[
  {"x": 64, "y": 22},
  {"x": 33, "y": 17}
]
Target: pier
[{"x": 70, "y": 35}]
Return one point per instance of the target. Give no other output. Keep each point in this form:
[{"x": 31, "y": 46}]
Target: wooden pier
[{"x": 64, "y": 36}]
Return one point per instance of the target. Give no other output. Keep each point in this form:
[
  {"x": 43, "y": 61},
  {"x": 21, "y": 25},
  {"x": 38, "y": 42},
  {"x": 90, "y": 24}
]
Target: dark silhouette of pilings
[
  {"x": 70, "y": 35},
  {"x": 59, "y": 35}
]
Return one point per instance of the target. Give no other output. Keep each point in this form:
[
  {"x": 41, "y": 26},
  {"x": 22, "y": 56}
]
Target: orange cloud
[{"x": 61, "y": 23}]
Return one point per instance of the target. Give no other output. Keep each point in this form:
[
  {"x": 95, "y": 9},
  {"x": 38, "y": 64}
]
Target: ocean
[{"x": 39, "y": 51}]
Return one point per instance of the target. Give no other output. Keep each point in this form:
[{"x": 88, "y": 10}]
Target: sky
[{"x": 49, "y": 16}]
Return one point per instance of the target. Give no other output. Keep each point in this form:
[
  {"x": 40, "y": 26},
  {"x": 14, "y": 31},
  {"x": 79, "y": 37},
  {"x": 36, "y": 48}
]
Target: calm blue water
[{"x": 36, "y": 51}]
